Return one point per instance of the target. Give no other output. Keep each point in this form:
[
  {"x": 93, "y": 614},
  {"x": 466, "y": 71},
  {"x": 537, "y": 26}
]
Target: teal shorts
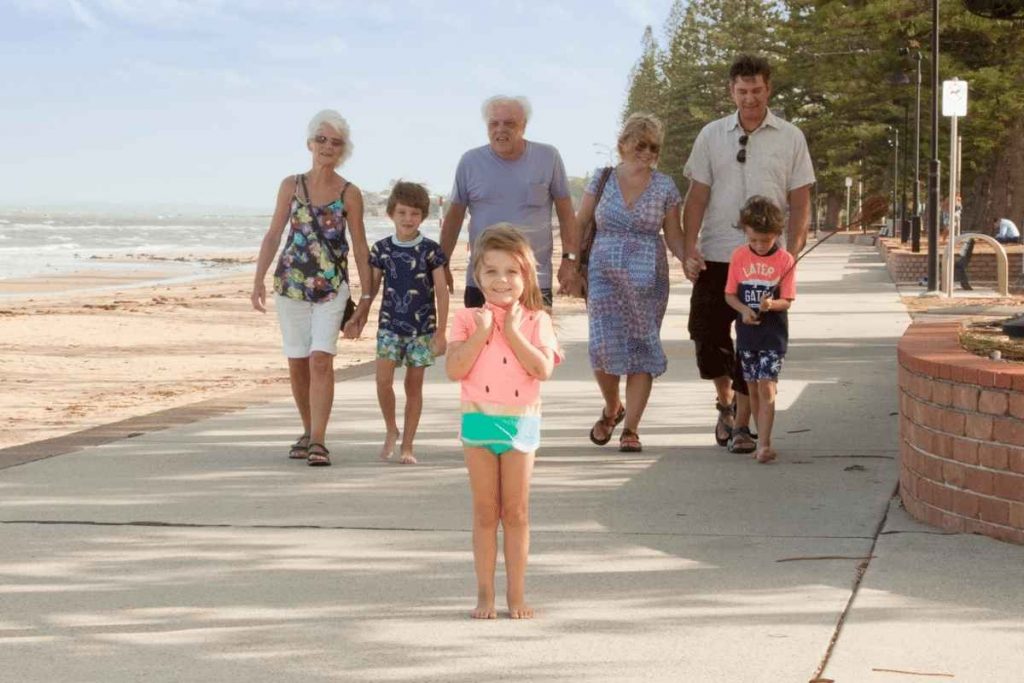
[
  {"x": 501, "y": 433},
  {"x": 411, "y": 351}
]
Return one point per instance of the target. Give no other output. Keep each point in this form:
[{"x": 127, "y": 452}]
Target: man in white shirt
[
  {"x": 1006, "y": 231},
  {"x": 749, "y": 152}
]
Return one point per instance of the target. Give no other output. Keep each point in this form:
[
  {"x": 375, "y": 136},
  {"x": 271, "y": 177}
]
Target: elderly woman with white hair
[{"x": 311, "y": 281}]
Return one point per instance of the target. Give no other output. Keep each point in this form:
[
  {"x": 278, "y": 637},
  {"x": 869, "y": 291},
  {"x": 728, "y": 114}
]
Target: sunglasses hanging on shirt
[{"x": 741, "y": 156}]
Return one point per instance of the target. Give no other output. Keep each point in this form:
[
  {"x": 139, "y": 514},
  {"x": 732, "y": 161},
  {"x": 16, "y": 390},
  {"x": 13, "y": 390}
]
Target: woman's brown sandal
[
  {"x": 609, "y": 423},
  {"x": 300, "y": 449},
  {"x": 319, "y": 456},
  {"x": 629, "y": 442}
]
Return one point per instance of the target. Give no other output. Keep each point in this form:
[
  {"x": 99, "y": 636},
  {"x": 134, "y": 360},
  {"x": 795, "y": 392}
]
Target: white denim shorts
[{"x": 307, "y": 327}]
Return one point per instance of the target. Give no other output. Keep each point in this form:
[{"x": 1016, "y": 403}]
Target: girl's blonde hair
[{"x": 507, "y": 238}]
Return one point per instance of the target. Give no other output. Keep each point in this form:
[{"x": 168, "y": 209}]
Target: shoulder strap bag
[
  {"x": 350, "y": 306},
  {"x": 590, "y": 231}
]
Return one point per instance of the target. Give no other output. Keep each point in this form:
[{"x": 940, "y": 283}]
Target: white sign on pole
[
  {"x": 954, "y": 98},
  {"x": 849, "y": 181}
]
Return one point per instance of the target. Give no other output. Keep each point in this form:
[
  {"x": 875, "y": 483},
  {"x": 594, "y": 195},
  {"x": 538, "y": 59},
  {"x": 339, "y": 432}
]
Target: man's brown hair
[
  {"x": 410, "y": 194},
  {"x": 749, "y": 66}
]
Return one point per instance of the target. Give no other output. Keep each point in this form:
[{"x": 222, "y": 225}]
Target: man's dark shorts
[
  {"x": 710, "y": 327},
  {"x": 474, "y": 298}
]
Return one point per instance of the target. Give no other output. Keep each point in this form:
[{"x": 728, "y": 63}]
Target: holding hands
[{"x": 693, "y": 263}]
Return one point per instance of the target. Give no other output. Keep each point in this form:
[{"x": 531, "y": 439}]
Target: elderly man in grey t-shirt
[
  {"x": 749, "y": 152},
  {"x": 517, "y": 181}
]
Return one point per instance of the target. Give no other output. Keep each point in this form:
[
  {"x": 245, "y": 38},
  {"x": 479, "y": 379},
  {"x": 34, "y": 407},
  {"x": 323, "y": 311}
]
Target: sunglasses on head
[
  {"x": 335, "y": 142},
  {"x": 643, "y": 146},
  {"x": 741, "y": 156}
]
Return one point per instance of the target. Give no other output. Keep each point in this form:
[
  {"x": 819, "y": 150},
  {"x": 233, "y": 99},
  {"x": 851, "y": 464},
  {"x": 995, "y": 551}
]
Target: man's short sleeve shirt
[
  {"x": 777, "y": 162},
  {"x": 521, "y": 192}
]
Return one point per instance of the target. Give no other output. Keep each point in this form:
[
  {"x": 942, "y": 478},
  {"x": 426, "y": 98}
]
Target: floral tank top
[{"x": 313, "y": 264}]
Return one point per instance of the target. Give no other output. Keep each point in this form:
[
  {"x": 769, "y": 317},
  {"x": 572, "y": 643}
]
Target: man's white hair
[
  {"x": 337, "y": 123},
  {"x": 518, "y": 100}
]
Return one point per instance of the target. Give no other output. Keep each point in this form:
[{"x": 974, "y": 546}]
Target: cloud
[
  {"x": 84, "y": 16},
  {"x": 643, "y": 12}
]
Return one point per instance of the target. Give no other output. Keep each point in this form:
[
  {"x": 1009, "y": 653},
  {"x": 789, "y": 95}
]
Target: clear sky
[{"x": 205, "y": 102}]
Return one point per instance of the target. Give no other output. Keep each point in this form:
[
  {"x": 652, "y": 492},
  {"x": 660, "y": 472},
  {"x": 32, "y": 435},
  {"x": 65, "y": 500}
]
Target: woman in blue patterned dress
[
  {"x": 311, "y": 280},
  {"x": 628, "y": 276}
]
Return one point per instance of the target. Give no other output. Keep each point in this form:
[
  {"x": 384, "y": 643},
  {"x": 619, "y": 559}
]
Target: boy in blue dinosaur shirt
[{"x": 413, "y": 312}]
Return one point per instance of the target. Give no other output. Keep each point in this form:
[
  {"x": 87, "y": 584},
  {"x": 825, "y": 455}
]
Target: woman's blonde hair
[
  {"x": 507, "y": 238},
  {"x": 641, "y": 127}
]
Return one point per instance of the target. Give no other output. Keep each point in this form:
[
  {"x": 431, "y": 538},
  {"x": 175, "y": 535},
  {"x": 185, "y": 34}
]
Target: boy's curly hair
[
  {"x": 411, "y": 194},
  {"x": 761, "y": 215}
]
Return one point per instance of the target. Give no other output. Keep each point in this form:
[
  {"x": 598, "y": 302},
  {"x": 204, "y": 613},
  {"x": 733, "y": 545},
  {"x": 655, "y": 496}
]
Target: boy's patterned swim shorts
[
  {"x": 412, "y": 351},
  {"x": 760, "y": 365}
]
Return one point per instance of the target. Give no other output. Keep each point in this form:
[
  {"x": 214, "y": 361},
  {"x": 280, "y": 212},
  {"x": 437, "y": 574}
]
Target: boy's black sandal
[
  {"x": 742, "y": 441},
  {"x": 721, "y": 428}
]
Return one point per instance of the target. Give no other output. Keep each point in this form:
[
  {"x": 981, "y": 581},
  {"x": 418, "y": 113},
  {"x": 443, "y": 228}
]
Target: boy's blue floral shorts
[
  {"x": 759, "y": 365},
  {"x": 410, "y": 350}
]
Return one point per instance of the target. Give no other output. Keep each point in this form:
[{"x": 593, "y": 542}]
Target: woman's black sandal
[
  {"x": 319, "y": 456},
  {"x": 300, "y": 449},
  {"x": 610, "y": 423},
  {"x": 720, "y": 426}
]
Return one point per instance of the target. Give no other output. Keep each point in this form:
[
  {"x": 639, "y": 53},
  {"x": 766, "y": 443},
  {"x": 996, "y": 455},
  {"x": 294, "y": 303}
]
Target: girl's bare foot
[
  {"x": 520, "y": 611},
  {"x": 407, "y": 458},
  {"x": 765, "y": 454},
  {"x": 484, "y": 607},
  {"x": 390, "y": 439}
]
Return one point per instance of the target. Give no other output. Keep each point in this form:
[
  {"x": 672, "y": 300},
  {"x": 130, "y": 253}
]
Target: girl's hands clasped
[
  {"x": 513, "y": 319},
  {"x": 484, "y": 320}
]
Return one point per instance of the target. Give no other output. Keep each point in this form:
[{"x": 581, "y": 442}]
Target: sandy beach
[{"x": 91, "y": 348}]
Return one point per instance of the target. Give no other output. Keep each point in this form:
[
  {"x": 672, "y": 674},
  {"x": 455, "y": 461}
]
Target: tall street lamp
[
  {"x": 933, "y": 164},
  {"x": 915, "y": 215}
]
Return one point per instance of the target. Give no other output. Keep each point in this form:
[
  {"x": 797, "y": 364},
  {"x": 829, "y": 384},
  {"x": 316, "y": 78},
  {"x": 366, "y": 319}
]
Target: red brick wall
[
  {"x": 906, "y": 266},
  {"x": 961, "y": 435}
]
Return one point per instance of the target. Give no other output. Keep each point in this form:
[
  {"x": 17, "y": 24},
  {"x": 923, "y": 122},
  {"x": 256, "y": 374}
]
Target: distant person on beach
[
  {"x": 513, "y": 180},
  {"x": 501, "y": 351},
  {"x": 628, "y": 276},
  {"x": 1006, "y": 231},
  {"x": 311, "y": 281},
  {"x": 411, "y": 330},
  {"x": 749, "y": 152},
  {"x": 760, "y": 287}
]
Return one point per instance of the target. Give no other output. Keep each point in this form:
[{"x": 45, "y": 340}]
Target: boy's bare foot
[
  {"x": 407, "y": 458},
  {"x": 520, "y": 611},
  {"x": 765, "y": 454},
  {"x": 390, "y": 439}
]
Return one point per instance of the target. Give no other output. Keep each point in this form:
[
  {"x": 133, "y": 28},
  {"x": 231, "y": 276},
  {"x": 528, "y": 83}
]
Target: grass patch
[{"x": 982, "y": 338}]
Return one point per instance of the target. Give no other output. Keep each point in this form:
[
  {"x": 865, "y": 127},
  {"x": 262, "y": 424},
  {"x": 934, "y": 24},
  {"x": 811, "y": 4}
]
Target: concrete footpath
[{"x": 200, "y": 553}]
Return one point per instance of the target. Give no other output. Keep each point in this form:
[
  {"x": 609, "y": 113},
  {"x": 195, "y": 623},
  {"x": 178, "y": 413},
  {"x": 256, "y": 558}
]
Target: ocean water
[{"x": 37, "y": 243}]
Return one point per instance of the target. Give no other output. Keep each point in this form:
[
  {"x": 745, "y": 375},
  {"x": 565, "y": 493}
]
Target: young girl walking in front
[{"x": 501, "y": 352}]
